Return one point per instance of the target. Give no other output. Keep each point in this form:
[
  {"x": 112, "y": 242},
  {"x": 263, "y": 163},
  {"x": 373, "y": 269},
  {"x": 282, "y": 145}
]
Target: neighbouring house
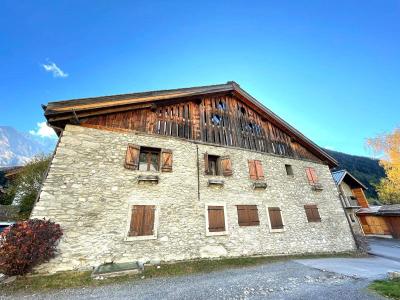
[
  {"x": 8, "y": 215},
  {"x": 381, "y": 220},
  {"x": 351, "y": 192},
  {"x": 183, "y": 174}
]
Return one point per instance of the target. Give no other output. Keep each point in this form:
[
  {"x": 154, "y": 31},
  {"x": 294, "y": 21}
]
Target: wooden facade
[{"x": 222, "y": 120}]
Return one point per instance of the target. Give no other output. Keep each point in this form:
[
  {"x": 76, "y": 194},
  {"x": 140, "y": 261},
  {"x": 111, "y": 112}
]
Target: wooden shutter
[
  {"x": 259, "y": 169},
  {"x": 226, "y": 166},
  {"x": 275, "y": 217},
  {"x": 132, "y": 157},
  {"x": 248, "y": 215},
  {"x": 311, "y": 176},
  {"x": 166, "y": 160},
  {"x": 312, "y": 213},
  {"x": 359, "y": 194},
  {"x": 216, "y": 219},
  {"x": 142, "y": 220},
  {"x": 206, "y": 166},
  {"x": 252, "y": 169}
]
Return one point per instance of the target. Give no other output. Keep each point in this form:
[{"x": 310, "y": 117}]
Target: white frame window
[
  {"x": 156, "y": 221},
  {"x": 208, "y": 233},
  {"x": 269, "y": 220}
]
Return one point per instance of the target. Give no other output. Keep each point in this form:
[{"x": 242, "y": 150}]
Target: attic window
[
  {"x": 216, "y": 119},
  {"x": 221, "y": 105},
  {"x": 289, "y": 170}
]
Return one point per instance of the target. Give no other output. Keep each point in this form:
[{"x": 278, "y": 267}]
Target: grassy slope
[
  {"x": 388, "y": 288},
  {"x": 365, "y": 169}
]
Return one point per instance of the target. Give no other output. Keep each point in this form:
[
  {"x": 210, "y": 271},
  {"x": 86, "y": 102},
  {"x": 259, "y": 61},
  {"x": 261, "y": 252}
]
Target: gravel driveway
[{"x": 281, "y": 280}]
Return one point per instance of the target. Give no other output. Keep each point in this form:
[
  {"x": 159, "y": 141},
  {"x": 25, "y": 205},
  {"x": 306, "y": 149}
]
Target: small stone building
[{"x": 184, "y": 174}]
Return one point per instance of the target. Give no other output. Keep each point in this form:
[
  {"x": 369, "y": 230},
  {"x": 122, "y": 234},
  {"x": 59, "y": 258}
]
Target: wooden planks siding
[{"x": 223, "y": 120}]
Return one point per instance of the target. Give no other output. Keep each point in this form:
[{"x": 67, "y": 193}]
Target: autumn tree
[{"x": 388, "y": 145}]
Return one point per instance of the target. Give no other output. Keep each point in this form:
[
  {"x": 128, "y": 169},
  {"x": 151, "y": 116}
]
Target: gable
[{"x": 220, "y": 114}]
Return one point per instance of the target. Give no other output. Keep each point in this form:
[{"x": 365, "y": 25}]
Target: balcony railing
[{"x": 350, "y": 201}]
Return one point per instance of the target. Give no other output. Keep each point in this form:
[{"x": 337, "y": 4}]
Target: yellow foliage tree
[{"x": 388, "y": 145}]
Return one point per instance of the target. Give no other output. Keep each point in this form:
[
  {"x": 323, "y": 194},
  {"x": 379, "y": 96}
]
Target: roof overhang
[
  {"x": 350, "y": 179},
  {"x": 60, "y": 113}
]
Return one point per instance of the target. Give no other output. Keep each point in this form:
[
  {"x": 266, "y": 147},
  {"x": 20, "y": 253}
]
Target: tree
[
  {"x": 24, "y": 189},
  {"x": 389, "y": 146}
]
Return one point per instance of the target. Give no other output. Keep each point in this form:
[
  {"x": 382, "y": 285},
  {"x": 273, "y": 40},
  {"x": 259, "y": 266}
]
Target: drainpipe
[{"x": 198, "y": 173}]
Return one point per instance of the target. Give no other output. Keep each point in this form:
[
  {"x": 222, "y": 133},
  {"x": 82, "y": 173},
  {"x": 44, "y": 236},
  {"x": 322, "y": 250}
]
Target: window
[
  {"x": 248, "y": 215},
  {"x": 289, "y": 170},
  {"x": 216, "y": 219},
  {"x": 312, "y": 176},
  {"x": 352, "y": 218},
  {"x": 148, "y": 159},
  {"x": 142, "y": 222},
  {"x": 217, "y": 165},
  {"x": 275, "y": 219},
  {"x": 256, "y": 170},
  {"x": 312, "y": 213}
]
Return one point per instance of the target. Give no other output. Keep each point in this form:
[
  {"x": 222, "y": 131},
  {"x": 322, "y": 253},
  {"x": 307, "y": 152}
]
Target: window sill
[
  {"x": 277, "y": 230},
  {"x": 148, "y": 178},
  {"x": 260, "y": 185},
  {"x": 216, "y": 182},
  {"x": 216, "y": 233},
  {"x": 140, "y": 238}
]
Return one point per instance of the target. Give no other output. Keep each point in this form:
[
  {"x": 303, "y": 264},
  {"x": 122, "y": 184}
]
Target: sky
[{"x": 329, "y": 68}]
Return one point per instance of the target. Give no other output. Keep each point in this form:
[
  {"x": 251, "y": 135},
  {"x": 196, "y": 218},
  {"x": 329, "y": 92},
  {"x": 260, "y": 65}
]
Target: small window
[
  {"x": 275, "y": 219},
  {"x": 142, "y": 220},
  {"x": 289, "y": 170},
  {"x": 216, "y": 119},
  {"x": 217, "y": 165},
  {"x": 312, "y": 176},
  {"x": 221, "y": 105},
  {"x": 256, "y": 170},
  {"x": 312, "y": 213},
  {"x": 149, "y": 159},
  {"x": 216, "y": 220},
  {"x": 248, "y": 215},
  {"x": 352, "y": 218}
]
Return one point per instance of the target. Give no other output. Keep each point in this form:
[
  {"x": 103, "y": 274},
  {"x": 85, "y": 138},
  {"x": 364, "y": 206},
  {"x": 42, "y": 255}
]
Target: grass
[
  {"x": 388, "y": 288},
  {"x": 73, "y": 279}
]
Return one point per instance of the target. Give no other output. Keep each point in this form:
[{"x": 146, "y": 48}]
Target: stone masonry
[{"x": 89, "y": 192}]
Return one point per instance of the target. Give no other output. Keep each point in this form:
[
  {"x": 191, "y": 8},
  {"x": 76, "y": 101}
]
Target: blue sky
[{"x": 330, "y": 68}]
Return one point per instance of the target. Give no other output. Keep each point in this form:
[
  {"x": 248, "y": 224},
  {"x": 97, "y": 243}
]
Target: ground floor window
[
  {"x": 248, "y": 215},
  {"x": 142, "y": 223},
  {"x": 312, "y": 213},
  {"x": 275, "y": 219},
  {"x": 216, "y": 219}
]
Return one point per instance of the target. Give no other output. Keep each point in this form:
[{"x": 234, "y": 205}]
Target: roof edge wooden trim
[{"x": 347, "y": 173}]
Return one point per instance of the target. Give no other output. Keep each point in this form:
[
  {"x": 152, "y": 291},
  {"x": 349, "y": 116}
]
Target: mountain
[
  {"x": 365, "y": 169},
  {"x": 17, "y": 148}
]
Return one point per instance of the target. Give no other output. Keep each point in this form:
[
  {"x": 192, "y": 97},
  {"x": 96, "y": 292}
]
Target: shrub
[{"x": 27, "y": 244}]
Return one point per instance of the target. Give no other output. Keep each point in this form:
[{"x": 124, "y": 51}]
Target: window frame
[
  {"x": 269, "y": 220},
  {"x": 216, "y": 159},
  {"x": 155, "y": 225},
  {"x": 216, "y": 233},
  {"x": 312, "y": 220},
  {"x": 290, "y": 167},
  {"x": 148, "y": 151}
]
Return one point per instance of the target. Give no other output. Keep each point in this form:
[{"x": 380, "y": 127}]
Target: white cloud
[
  {"x": 43, "y": 131},
  {"x": 54, "y": 69}
]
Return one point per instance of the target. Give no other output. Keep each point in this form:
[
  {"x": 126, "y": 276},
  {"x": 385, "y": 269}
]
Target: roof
[
  {"x": 67, "y": 109},
  {"x": 340, "y": 175},
  {"x": 384, "y": 210}
]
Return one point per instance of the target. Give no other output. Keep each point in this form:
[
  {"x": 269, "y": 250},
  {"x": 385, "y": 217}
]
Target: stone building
[{"x": 183, "y": 174}]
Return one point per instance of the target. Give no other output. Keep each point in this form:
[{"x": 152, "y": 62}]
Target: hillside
[
  {"x": 16, "y": 148},
  {"x": 366, "y": 169}
]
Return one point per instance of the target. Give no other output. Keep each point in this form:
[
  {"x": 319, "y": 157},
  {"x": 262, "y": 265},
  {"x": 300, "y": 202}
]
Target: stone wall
[{"x": 89, "y": 192}]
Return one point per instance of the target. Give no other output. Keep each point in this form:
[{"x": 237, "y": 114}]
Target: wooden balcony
[{"x": 350, "y": 202}]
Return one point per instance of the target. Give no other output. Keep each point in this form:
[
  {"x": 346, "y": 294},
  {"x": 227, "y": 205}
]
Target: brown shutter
[
  {"x": 360, "y": 196},
  {"x": 314, "y": 175},
  {"x": 148, "y": 220},
  {"x": 166, "y": 160},
  {"x": 312, "y": 213},
  {"x": 226, "y": 166},
  {"x": 142, "y": 220},
  {"x": 248, "y": 215},
  {"x": 216, "y": 219},
  {"x": 259, "y": 169},
  {"x": 252, "y": 170},
  {"x": 206, "y": 166},
  {"x": 310, "y": 175},
  {"x": 132, "y": 157},
  {"x": 275, "y": 217},
  {"x": 136, "y": 220}
]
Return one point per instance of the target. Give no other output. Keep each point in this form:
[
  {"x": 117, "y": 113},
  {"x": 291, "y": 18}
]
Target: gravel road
[{"x": 281, "y": 280}]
